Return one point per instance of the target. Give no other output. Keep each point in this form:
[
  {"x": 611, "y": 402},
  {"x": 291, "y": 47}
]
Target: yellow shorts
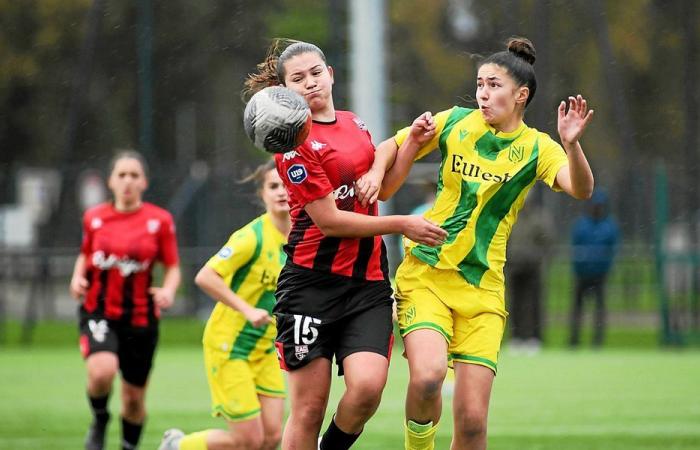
[
  {"x": 236, "y": 383},
  {"x": 471, "y": 319}
]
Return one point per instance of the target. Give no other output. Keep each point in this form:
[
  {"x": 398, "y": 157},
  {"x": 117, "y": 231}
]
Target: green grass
[{"x": 613, "y": 399}]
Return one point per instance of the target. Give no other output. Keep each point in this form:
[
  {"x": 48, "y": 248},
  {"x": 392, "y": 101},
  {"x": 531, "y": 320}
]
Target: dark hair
[
  {"x": 258, "y": 175},
  {"x": 271, "y": 69},
  {"x": 128, "y": 154},
  {"x": 517, "y": 60}
]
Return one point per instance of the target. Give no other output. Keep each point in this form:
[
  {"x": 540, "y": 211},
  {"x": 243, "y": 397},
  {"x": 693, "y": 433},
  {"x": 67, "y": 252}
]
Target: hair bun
[{"x": 522, "y": 48}]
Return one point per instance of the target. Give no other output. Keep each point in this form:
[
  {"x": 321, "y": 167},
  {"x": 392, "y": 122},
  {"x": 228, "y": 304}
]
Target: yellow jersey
[
  {"x": 483, "y": 180},
  {"x": 249, "y": 263}
]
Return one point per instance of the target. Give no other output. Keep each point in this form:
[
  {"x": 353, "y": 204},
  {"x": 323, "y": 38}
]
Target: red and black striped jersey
[
  {"x": 331, "y": 159},
  {"x": 120, "y": 249}
]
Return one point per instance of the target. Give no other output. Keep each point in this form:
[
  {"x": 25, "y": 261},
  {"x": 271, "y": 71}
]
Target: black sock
[
  {"x": 131, "y": 433},
  {"x": 99, "y": 408},
  {"x": 336, "y": 439}
]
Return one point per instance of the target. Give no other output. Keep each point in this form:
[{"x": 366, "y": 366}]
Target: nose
[{"x": 310, "y": 82}]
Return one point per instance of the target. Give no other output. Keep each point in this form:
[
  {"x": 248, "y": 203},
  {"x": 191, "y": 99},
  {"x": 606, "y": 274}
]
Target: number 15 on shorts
[{"x": 305, "y": 329}]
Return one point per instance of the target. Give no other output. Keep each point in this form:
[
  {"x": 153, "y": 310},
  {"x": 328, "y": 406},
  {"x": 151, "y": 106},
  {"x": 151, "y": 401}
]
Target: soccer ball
[{"x": 277, "y": 119}]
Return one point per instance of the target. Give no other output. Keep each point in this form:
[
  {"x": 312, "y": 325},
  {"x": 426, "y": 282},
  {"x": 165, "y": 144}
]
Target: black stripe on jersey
[
  {"x": 383, "y": 261},
  {"x": 325, "y": 253},
  {"x": 364, "y": 253},
  {"x": 152, "y": 319},
  {"x": 301, "y": 224},
  {"x": 100, "y": 307},
  {"x": 128, "y": 298}
]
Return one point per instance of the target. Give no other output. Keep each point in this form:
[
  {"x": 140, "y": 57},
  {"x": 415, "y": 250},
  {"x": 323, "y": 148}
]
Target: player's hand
[
  {"x": 257, "y": 317},
  {"x": 78, "y": 287},
  {"x": 367, "y": 187},
  {"x": 423, "y": 128},
  {"x": 420, "y": 230},
  {"x": 162, "y": 297},
  {"x": 572, "y": 123}
]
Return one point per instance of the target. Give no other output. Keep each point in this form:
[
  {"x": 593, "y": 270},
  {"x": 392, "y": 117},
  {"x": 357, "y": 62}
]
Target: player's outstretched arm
[
  {"x": 576, "y": 178},
  {"x": 337, "y": 223},
  {"x": 368, "y": 185}
]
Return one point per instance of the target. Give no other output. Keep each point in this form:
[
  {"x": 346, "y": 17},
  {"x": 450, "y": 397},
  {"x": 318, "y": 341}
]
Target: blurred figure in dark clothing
[
  {"x": 529, "y": 247},
  {"x": 595, "y": 237}
]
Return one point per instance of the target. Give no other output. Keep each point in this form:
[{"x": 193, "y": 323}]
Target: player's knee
[
  {"x": 101, "y": 378},
  {"x": 133, "y": 406},
  {"x": 311, "y": 414},
  {"x": 427, "y": 381},
  {"x": 272, "y": 438},
  {"x": 367, "y": 393},
  {"x": 470, "y": 424},
  {"x": 251, "y": 439}
]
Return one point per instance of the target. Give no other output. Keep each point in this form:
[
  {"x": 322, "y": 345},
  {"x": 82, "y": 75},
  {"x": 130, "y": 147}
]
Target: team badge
[
  {"x": 316, "y": 146},
  {"x": 297, "y": 173},
  {"x": 360, "y": 123},
  {"x": 410, "y": 315},
  {"x": 225, "y": 253},
  {"x": 300, "y": 351},
  {"x": 516, "y": 154},
  {"x": 98, "y": 329},
  {"x": 153, "y": 225}
]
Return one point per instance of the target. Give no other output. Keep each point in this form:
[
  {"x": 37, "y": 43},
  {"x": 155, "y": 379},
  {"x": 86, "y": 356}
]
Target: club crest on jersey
[
  {"x": 515, "y": 154},
  {"x": 95, "y": 223},
  {"x": 360, "y": 123},
  {"x": 225, "y": 253},
  {"x": 153, "y": 225},
  {"x": 290, "y": 155},
  {"x": 317, "y": 146},
  {"x": 300, "y": 351},
  {"x": 297, "y": 173}
]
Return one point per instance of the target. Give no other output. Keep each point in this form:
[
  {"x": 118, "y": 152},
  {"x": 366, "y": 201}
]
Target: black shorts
[
  {"x": 134, "y": 346},
  {"x": 321, "y": 315}
]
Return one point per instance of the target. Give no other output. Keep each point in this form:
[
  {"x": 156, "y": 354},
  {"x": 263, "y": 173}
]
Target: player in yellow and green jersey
[
  {"x": 451, "y": 304},
  {"x": 245, "y": 380}
]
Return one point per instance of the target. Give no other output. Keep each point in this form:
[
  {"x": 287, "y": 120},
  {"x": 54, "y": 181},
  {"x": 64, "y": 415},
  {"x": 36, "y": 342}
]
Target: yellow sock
[
  {"x": 194, "y": 441},
  {"x": 420, "y": 436}
]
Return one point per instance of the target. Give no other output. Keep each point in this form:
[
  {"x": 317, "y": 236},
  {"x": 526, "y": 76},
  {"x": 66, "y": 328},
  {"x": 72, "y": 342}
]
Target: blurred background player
[
  {"x": 451, "y": 297},
  {"x": 529, "y": 246},
  {"x": 246, "y": 383},
  {"x": 119, "y": 307},
  {"x": 333, "y": 295},
  {"x": 594, "y": 238}
]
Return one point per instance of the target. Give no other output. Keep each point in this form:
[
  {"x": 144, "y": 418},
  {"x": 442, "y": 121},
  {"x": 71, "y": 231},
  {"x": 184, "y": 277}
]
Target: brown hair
[
  {"x": 271, "y": 69},
  {"x": 518, "y": 60},
  {"x": 258, "y": 175},
  {"x": 128, "y": 154}
]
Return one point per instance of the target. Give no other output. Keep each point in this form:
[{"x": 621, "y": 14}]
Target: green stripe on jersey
[
  {"x": 475, "y": 264},
  {"x": 242, "y": 273},
  {"x": 456, "y": 115},
  {"x": 489, "y": 145},
  {"x": 453, "y": 225},
  {"x": 249, "y": 336}
]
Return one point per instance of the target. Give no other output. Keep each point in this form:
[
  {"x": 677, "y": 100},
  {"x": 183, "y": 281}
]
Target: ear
[
  {"x": 330, "y": 71},
  {"x": 522, "y": 94}
]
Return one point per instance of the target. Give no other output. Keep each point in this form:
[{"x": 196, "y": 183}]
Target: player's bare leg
[
  {"x": 309, "y": 388},
  {"x": 133, "y": 413},
  {"x": 471, "y": 406},
  {"x": 101, "y": 367},
  {"x": 426, "y": 351}
]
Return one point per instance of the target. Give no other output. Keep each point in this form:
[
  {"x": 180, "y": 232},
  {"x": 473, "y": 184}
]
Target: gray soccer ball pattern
[{"x": 274, "y": 117}]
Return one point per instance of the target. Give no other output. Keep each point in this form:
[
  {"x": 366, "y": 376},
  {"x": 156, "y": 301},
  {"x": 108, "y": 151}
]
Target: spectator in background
[
  {"x": 530, "y": 245},
  {"x": 594, "y": 239}
]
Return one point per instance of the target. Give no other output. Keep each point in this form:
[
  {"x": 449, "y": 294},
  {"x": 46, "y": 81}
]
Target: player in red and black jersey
[
  {"x": 333, "y": 295},
  {"x": 120, "y": 308}
]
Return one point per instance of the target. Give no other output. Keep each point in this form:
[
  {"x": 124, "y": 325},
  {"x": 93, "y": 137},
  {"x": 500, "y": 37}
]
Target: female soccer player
[
  {"x": 246, "y": 383},
  {"x": 333, "y": 294},
  {"x": 119, "y": 307},
  {"x": 451, "y": 297}
]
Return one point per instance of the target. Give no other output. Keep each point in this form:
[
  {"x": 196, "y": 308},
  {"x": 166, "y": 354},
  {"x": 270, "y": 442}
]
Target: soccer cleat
[
  {"x": 95, "y": 439},
  {"x": 171, "y": 439}
]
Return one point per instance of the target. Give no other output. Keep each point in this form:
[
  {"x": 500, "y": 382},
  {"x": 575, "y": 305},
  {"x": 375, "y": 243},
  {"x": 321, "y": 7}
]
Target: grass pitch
[{"x": 638, "y": 399}]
